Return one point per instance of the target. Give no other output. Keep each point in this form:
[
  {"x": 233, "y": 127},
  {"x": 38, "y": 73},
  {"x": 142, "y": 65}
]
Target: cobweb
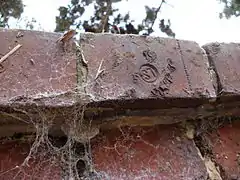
[
  {"x": 63, "y": 156},
  {"x": 59, "y": 147}
]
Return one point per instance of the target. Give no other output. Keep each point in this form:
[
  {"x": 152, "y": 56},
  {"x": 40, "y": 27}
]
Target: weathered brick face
[
  {"x": 14, "y": 165},
  {"x": 160, "y": 152},
  {"x": 138, "y": 67},
  {"x": 225, "y": 145},
  {"x": 225, "y": 59},
  {"x": 40, "y": 68}
]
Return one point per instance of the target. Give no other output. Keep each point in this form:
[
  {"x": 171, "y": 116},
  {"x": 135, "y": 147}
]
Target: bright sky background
[{"x": 196, "y": 20}]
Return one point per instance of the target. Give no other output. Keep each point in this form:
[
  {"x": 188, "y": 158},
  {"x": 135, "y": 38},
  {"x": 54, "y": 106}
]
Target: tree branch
[
  {"x": 106, "y": 17},
  {"x": 156, "y": 13}
]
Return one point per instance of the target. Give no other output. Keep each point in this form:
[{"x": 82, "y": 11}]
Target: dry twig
[
  {"x": 66, "y": 36},
  {"x": 10, "y": 53},
  {"x": 100, "y": 70}
]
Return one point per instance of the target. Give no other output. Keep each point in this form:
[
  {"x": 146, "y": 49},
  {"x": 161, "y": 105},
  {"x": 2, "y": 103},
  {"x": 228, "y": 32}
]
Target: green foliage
[
  {"x": 105, "y": 18},
  {"x": 30, "y": 24},
  {"x": 231, "y": 8},
  {"x": 10, "y": 8}
]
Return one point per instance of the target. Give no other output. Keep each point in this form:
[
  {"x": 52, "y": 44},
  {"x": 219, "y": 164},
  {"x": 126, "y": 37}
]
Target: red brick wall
[{"x": 119, "y": 81}]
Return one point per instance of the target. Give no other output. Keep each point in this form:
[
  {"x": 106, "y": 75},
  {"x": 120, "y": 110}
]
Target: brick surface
[
  {"x": 225, "y": 59},
  {"x": 160, "y": 152},
  {"x": 12, "y": 166},
  {"x": 138, "y": 67},
  {"x": 40, "y": 69},
  {"x": 225, "y": 145},
  {"x": 151, "y": 80}
]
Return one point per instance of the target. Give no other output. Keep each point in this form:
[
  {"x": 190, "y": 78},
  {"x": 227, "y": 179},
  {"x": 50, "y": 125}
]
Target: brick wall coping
[{"x": 126, "y": 79}]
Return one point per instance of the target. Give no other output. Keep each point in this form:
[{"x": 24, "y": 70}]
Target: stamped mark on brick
[
  {"x": 149, "y": 73},
  {"x": 150, "y": 56},
  {"x": 164, "y": 86}
]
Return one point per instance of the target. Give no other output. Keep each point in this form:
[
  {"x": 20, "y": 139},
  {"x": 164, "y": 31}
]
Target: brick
[
  {"x": 158, "y": 152},
  {"x": 40, "y": 70},
  {"x": 138, "y": 67},
  {"x": 225, "y": 147},
  {"x": 224, "y": 58},
  {"x": 12, "y": 156}
]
